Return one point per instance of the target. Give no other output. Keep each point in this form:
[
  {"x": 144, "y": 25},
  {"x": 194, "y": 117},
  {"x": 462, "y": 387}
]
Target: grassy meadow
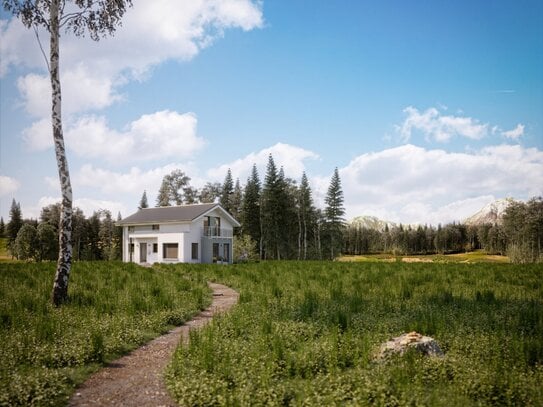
[
  {"x": 113, "y": 308},
  {"x": 306, "y": 333}
]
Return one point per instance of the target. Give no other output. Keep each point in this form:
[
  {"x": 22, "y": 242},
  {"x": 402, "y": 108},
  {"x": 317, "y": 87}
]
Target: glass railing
[{"x": 214, "y": 231}]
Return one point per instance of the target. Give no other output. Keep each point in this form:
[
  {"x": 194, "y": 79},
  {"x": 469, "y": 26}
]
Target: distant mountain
[
  {"x": 371, "y": 222},
  {"x": 491, "y": 213}
]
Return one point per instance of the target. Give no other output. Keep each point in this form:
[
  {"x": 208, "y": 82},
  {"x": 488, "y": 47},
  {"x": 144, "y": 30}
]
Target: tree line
[
  {"x": 93, "y": 238},
  {"x": 278, "y": 217},
  {"x": 519, "y": 236}
]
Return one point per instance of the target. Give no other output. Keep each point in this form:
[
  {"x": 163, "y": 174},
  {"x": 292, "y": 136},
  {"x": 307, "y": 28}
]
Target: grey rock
[{"x": 412, "y": 340}]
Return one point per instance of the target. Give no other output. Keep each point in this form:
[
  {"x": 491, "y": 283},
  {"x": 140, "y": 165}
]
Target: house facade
[{"x": 200, "y": 233}]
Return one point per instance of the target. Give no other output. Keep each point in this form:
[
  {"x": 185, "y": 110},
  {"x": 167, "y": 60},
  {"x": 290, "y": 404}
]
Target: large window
[
  {"x": 195, "y": 251},
  {"x": 170, "y": 250},
  {"x": 226, "y": 252},
  {"x": 215, "y": 252}
]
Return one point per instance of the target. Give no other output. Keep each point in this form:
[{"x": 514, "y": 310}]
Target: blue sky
[{"x": 430, "y": 110}]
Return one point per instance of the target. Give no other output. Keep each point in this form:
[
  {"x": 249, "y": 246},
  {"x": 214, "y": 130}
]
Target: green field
[
  {"x": 306, "y": 333},
  {"x": 113, "y": 308}
]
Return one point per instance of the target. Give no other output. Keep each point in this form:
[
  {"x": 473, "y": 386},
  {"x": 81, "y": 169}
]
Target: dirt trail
[{"x": 136, "y": 379}]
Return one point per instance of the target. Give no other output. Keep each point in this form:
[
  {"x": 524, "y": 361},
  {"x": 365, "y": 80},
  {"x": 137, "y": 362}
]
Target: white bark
[{"x": 60, "y": 286}]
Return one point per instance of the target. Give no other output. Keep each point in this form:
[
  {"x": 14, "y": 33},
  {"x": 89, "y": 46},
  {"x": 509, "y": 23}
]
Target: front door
[{"x": 143, "y": 252}]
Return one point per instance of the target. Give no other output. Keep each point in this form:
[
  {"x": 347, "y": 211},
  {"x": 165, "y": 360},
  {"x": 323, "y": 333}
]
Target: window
[
  {"x": 155, "y": 227},
  {"x": 226, "y": 252},
  {"x": 131, "y": 228},
  {"x": 215, "y": 252},
  {"x": 131, "y": 247},
  {"x": 195, "y": 251},
  {"x": 155, "y": 247},
  {"x": 170, "y": 250}
]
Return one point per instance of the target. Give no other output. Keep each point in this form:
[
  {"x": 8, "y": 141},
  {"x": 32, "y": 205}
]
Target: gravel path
[{"x": 136, "y": 379}]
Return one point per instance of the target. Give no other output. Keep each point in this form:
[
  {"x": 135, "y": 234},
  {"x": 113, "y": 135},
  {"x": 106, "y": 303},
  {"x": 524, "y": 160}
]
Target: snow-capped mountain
[
  {"x": 371, "y": 222},
  {"x": 491, "y": 213}
]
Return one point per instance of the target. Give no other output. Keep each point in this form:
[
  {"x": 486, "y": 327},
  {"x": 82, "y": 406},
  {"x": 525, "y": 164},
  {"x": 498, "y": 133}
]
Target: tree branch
[{"x": 41, "y": 48}]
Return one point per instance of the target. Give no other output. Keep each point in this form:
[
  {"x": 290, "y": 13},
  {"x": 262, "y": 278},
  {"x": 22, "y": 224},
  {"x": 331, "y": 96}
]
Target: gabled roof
[{"x": 167, "y": 214}]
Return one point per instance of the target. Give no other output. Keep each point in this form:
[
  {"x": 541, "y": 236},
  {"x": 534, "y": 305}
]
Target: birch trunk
[{"x": 64, "y": 263}]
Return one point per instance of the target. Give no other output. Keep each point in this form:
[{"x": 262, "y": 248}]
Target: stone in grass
[{"x": 412, "y": 340}]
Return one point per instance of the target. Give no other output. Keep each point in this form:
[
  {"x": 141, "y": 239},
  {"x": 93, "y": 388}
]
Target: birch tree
[{"x": 98, "y": 18}]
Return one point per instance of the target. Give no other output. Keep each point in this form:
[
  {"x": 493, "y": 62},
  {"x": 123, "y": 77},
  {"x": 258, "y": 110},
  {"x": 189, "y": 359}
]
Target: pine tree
[
  {"x": 306, "y": 211},
  {"x": 272, "y": 212},
  {"x": 15, "y": 223},
  {"x": 118, "y": 240},
  {"x": 143, "y": 201},
  {"x": 227, "y": 192},
  {"x": 334, "y": 213},
  {"x": 163, "y": 197},
  {"x": 250, "y": 214},
  {"x": 236, "y": 200}
]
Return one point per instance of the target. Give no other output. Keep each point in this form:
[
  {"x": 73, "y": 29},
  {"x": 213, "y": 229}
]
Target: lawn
[
  {"x": 306, "y": 333},
  {"x": 113, "y": 308}
]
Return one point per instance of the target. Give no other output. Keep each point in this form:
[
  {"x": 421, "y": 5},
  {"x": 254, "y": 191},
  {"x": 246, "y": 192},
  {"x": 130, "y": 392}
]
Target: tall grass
[
  {"x": 113, "y": 307},
  {"x": 305, "y": 333}
]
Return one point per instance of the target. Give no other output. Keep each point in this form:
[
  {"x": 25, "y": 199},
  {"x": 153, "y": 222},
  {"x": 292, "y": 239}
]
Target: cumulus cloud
[
  {"x": 133, "y": 181},
  {"x": 158, "y": 135},
  {"x": 290, "y": 157},
  {"x": 415, "y": 185},
  {"x": 8, "y": 185},
  {"x": 515, "y": 133},
  {"x": 439, "y": 127},
  {"x": 151, "y": 33}
]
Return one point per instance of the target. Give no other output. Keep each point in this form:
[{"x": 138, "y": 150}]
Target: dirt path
[{"x": 136, "y": 379}]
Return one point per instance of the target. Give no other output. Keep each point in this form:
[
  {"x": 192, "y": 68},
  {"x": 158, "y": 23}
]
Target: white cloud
[
  {"x": 151, "y": 33},
  {"x": 39, "y": 136},
  {"x": 159, "y": 135},
  {"x": 8, "y": 185},
  {"x": 291, "y": 158},
  {"x": 434, "y": 125},
  {"x": 515, "y": 133},
  {"x": 134, "y": 181},
  {"x": 415, "y": 185}
]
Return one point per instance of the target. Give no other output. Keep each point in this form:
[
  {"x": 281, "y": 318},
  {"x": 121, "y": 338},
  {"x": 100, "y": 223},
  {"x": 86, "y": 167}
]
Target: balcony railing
[{"x": 214, "y": 231}]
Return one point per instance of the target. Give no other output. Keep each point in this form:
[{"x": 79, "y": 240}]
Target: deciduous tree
[{"x": 98, "y": 18}]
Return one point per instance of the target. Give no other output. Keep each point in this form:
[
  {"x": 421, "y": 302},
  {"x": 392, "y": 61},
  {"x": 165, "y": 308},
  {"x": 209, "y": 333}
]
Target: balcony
[{"x": 214, "y": 231}]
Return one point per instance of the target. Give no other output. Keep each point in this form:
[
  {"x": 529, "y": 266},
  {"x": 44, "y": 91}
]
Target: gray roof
[{"x": 185, "y": 213}]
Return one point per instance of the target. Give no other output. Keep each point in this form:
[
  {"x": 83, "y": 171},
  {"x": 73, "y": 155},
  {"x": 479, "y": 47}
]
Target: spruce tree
[
  {"x": 250, "y": 214},
  {"x": 306, "y": 211},
  {"x": 15, "y": 223},
  {"x": 2, "y": 227},
  {"x": 237, "y": 199},
  {"x": 334, "y": 212},
  {"x": 143, "y": 201},
  {"x": 163, "y": 197},
  {"x": 272, "y": 212},
  {"x": 227, "y": 192}
]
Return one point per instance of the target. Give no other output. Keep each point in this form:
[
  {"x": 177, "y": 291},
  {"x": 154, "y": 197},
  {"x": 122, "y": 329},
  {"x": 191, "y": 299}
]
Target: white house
[{"x": 179, "y": 234}]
